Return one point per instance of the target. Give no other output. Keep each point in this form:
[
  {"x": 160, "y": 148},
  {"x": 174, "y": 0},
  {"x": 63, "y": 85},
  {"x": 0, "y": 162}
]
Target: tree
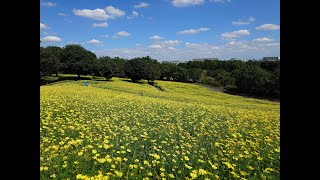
[
  {"x": 252, "y": 79},
  {"x": 152, "y": 70},
  {"x": 49, "y": 61},
  {"x": 142, "y": 68},
  {"x": 180, "y": 74},
  {"x": 167, "y": 70},
  {"x": 195, "y": 74},
  {"x": 78, "y": 60},
  {"x": 108, "y": 67},
  {"x": 57, "y": 53}
]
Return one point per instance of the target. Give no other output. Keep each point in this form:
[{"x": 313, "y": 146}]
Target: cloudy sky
[{"x": 164, "y": 29}]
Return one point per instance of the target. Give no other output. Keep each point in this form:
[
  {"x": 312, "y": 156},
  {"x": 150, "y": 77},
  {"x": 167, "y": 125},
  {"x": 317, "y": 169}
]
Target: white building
[{"x": 202, "y": 59}]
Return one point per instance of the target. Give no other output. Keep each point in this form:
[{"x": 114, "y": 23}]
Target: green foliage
[
  {"x": 142, "y": 68},
  {"x": 50, "y": 60},
  {"x": 78, "y": 60},
  {"x": 223, "y": 77},
  {"x": 180, "y": 74},
  {"x": 167, "y": 70},
  {"x": 195, "y": 74},
  {"x": 253, "y": 80}
]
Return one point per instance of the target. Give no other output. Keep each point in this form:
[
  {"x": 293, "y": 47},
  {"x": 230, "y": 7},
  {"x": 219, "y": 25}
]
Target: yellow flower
[
  {"x": 193, "y": 175},
  {"x": 53, "y": 176},
  {"x": 244, "y": 173},
  {"x": 187, "y": 166},
  {"x": 118, "y": 159},
  {"x": 118, "y": 173},
  {"x": 202, "y": 172}
]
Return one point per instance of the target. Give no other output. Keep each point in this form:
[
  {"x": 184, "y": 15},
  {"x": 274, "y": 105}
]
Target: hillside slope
[{"x": 122, "y": 129}]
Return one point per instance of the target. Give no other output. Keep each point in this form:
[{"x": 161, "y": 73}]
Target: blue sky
[{"x": 164, "y": 29}]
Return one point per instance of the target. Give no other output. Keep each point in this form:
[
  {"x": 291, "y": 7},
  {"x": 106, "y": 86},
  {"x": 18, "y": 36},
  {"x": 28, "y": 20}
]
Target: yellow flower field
[{"x": 123, "y": 130}]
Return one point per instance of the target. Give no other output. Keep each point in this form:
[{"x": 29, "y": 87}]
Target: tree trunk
[
  {"x": 78, "y": 76},
  {"x": 56, "y": 74}
]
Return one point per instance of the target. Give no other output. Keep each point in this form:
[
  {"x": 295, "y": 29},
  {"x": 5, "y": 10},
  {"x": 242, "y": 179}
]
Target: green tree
[
  {"x": 195, "y": 74},
  {"x": 167, "y": 70},
  {"x": 142, "y": 68},
  {"x": 49, "y": 61},
  {"x": 180, "y": 74},
  {"x": 57, "y": 53},
  {"x": 78, "y": 60},
  {"x": 252, "y": 79}
]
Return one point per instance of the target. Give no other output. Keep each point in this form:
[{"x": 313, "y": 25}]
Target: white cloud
[
  {"x": 185, "y": 3},
  {"x": 172, "y": 48},
  {"x": 241, "y": 50},
  {"x": 155, "y": 37},
  {"x": 48, "y": 33},
  {"x": 251, "y": 19},
  {"x": 100, "y": 14},
  {"x": 121, "y": 34},
  {"x": 105, "y": 36},
  {"x": 62, "y": 14},
  {"x": 240, "y": 22},
  {"x": 49, "y": 4},
  {"x": 43, "y": 26},
  {"x": 273, "y": 44},
  {"x": 193, "y": 31},
  {"x": 51, "y": 39},
  {"x": 96, "y": 14},
  {"x": 141, "y": 5},
  {"x": 105, "y": 24},
  {"x": 135, "y": 13},
  {"x": 73, "y": 42},
  {"x": 155, "y": 46},
  {"x": 268, "y": 27},
  {"x": 262, "y": 40},
  {"x": 193, "y": 45},
  {"x": 235, "y": 43},
  {"x": 170, "y": 43},
  {"x": 95, "y": 42},
  {"x": 234, "y": 34},
  {"x": 114, "y": 12}
]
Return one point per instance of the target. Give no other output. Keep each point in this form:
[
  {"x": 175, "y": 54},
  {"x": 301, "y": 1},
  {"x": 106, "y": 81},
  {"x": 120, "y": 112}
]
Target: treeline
[{"x": 256, "y": 78}]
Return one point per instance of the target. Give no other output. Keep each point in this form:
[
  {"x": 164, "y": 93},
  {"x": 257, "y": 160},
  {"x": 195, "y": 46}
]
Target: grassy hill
[{"x": 122, "y": 130}]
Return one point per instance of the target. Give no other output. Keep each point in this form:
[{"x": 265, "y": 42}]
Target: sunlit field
[{"x": 124, "y": 130}]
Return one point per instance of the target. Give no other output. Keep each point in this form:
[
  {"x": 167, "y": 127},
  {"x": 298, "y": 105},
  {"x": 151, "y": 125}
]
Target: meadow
[{"x": 122, "y": 130}]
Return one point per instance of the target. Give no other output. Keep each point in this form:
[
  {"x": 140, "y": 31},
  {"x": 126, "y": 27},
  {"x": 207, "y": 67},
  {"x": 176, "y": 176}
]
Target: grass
[{"x": 124, "y": 130}]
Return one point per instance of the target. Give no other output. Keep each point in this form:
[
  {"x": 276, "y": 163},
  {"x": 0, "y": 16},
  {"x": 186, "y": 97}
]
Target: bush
[{"x": 210, "y": 81}]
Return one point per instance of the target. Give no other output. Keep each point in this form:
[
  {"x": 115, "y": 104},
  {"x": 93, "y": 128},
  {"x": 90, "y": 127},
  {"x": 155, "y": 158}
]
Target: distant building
[
  {"x": 271, "y": 58},
  {"x": 202, "y": 59},
  {"x": 174, "y": 62}
]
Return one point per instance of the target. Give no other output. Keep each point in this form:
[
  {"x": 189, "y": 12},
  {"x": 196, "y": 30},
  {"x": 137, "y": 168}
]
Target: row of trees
[{"x": 259, "y": 78}]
